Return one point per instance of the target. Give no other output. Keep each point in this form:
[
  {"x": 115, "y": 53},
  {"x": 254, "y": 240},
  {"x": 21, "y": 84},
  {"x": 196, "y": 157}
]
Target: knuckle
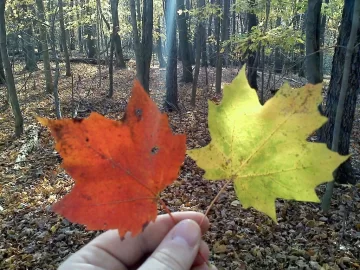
[{"x": 168, "y": 260}]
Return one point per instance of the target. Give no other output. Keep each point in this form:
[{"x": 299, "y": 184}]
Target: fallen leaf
[
  {"x": 263, "y": 149},
  {"x": 235, "y": 203},
  {"x": 119, "y": 168},
  {"x": 219, "y": 248}
]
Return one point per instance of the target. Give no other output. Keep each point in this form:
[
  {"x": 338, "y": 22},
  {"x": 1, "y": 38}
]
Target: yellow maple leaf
[{"x": 263, "y": 149}]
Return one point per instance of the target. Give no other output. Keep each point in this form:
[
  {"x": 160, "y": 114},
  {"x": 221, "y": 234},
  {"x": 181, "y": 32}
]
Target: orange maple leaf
[{"x": 119, "y": 168}]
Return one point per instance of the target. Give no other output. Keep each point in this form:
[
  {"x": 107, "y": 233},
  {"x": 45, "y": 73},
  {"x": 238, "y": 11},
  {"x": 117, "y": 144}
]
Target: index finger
[{"x": 132, "y": 249}]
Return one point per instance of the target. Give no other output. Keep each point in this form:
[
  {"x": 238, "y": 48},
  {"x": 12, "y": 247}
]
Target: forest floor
[{"x": 33, "y": 237}]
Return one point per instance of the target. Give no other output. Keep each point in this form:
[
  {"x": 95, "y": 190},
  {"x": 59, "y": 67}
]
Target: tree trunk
[
  {"x": 313, "y": 20},
  {"x": 28, "y": 41},
  {"x": 120, "y": 62},
  {"x": 225, "y": 31},
  {"x": 10, "y": 83},
  {"x": 143, "y": 49},
  {"x": 278, "y": 55},
  {"x": 345, "y": 173},
  {"x": 203, "y": 37},
  {"x": 90, "y": 37},
  {"x": 322, "y": 43},
  {"x": 137, "y": 45},
  {"x": 197, "y": 65},
  {"x": 147, "y": 40},
  {"x": 326, "y": 200},
  {"x": 218, "y": 53},
  {"x": 63, "y": 38},
  {"x": 98, "y": 37},
  {"x": 138, "y": 10},
  {"x": 171, "y": 100},
  {"x": 191, "y": 45},
  {"x": 90, "y": 41},
  {"x": 57, "y": 68},
  {"x": 111, "y": 64},
  {"x": 2, "y": 74},
  {"x": 267, "y": 14},
  {"x": 233, "y": 31},
  {"x": 184, "y": 43},
  {"x": 71, "y": 31},
  {"x": 79, "y": 29},
  {"x": 252, "y": 55},
  {"x": 212, "y": 55},
  {"x": 160, "y": 56},
  {"x": 44, "y": 45}
]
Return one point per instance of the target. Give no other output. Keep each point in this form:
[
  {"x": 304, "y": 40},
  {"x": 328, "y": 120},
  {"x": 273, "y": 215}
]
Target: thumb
[{"x": 178, "y": 249}]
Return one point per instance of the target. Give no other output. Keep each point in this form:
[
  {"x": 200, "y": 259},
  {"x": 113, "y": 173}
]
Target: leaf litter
[{"x": 33, "y": 237}]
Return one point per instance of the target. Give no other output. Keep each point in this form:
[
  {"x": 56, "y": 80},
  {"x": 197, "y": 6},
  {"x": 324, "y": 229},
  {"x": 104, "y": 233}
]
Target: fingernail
[{"x": 188, "y": 231}]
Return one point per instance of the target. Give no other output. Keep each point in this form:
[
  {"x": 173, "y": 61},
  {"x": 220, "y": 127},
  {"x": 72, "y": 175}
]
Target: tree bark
[
  {"x": 44, "y": 45},
  {"x": 225, "y": 31},
  {"x": 171, "y": 99},
  {"x": 322, "y": 42},
  {"x": 10, "y": 83},
  {"x": 197, "y": 65},
  {"x": 2, "y": 74},
  {"x": 218, "y": 53},
  {"x": 252, "y": 54},
  {"x": 184, "y": 43},
  {"x": 313, "y": 20},
  {"x": 188, "y": 5},
  {"x": 345, "y": 173},
  {"x": 212, "y": 55},
  {"x": 147, "y": 40},
  {"x": 203, "y": 38},
  {"x": 28, "y": 41},
  {"x": 79, "y": 30},
  {"x": 278, "y": 55},
  {"x": 120, "y": 62},
  {"x": 57, "y": 68},
  {"x": 137, "y": 45},
  {"x": 159, "y": 52},
  {"x": 111, "y": 64},
  {"x": 326, "y": 200},
  {"x": 143, "y": 49},
  {"x": 90, "y": 41},
  {"x": 63, "y": 38}
]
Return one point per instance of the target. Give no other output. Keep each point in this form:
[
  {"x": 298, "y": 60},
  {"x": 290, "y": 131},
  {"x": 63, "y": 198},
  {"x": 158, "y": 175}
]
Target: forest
[{"x": 270, "y": 86}]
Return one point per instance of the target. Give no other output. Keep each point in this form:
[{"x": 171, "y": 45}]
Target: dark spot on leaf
[
  {"x": 86, "y": 197},
  {"x": 138, "y": 113},
  {"x": 154, "y": 150},
  {"x": 145, "y": 225},
  {"x": 77, "y": 120},
  {"x": 87, "y": 139},
  {"x": 57, "y": 129}
]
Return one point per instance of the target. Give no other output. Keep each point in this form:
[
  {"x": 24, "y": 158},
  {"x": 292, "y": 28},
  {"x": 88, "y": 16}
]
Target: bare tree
[
  {"x": 63, "y": 38},
  {"x": 252, "y": 54},
  {"x": 143, "y": 48},
  {"x": 184, "y": 42},
  {"x": 171, "y": 99},
  {"x": 120, "y": 61},
  {"x": 346, "y": 72},
  {"x": 10, "y": 83},
  {"x": 313, "y": 21},
  {"x": 44, "y": 46}
]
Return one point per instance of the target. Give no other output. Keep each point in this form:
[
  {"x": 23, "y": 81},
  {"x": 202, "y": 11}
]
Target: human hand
[{"x": 162, "y": 245}]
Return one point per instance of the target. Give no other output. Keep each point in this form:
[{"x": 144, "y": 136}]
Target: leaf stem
[
  {"x": 164, "y": 206},
  {"x": 167, "y": 210},
  {"x": 215, "y": 199}
]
